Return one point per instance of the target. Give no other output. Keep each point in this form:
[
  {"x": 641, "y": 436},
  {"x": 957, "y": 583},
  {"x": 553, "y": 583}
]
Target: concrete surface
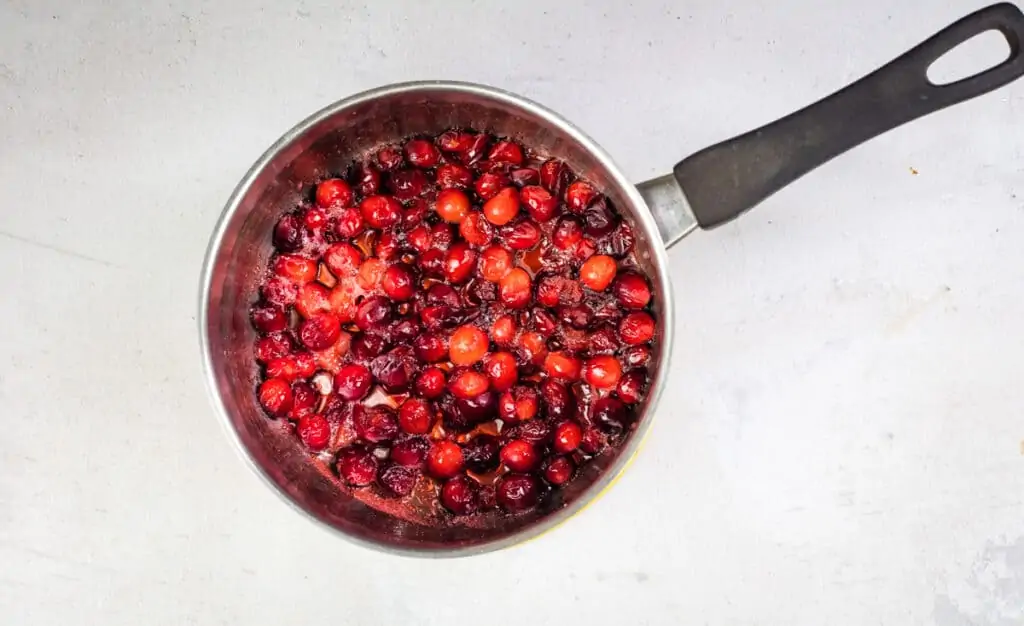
[{"x": 843, "y": 443}]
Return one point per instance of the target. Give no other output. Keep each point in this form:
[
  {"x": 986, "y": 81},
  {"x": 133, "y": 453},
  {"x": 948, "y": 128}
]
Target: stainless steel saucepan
[{"x": 704, "y": 190}]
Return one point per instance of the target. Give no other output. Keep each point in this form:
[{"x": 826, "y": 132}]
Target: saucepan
[{"x": 703, "y": 191}]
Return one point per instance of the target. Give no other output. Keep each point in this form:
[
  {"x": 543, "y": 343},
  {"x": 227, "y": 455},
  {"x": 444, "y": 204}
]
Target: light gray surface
[{"x": 843, "y": 445}]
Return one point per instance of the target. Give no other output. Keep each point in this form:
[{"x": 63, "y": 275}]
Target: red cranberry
[
  {"x": 636, "y": 328},
  {"x": 398, "y": 480},
  {"x": 536, "y": 432},
  {"x": 313, "y": 298},
  {"x": 517, "y": 492},
  {"x": 539, "y": 203},
  {"x": 575, "y": 316},
  {"x": 268, "y": 319},
  {"x": 631, "y": 290},
  {"x": 432, "y": 263},
  {"x": 558, "y": 400},
  {"x": 421, "y": 153},
  {"x": 519, "y": 456},
  {"x": 518, "y": 405},
  {"x": 567, "y": 437},
  {"x": 342, "y": 259},
  {"x": 602, "y": 372},
  {"x": 367, "y": 346},
  {"x": 476, "y": 149},
  {"x": 320, "y": 331},
  {"x": 408, "y": 184},
  {"x": 533, "y": 347},
  {"x": 558, "y": 471},
  {"x": 549, "y": 290},
  {"x": 481, "y": 453},
  {"x": 398, "y": 282},
  {"x": 289, "y": 233},
  {"x": 442, "y": 294},
  {"x": 386, "y": 246},
  {"x": 500, "y": 367},
  {"x": 295, "y": 268},
  {"x": 416, "y": 210},
  {"x": 419, "y": 238},
  {"x": 542, "y": 321},
  {"x": 467, "y": 346},
  {"x": 374, "y": 313},
  {"x": 350, "y": 223},
  {"x": 468, "y": 384},
  {"x": 441, "y": 236},
  {"x": 304, "y": 398},
  {"x": 637, "y": 356},
  {"x": 394, "y": 369},
  {"x": 314, "y": 431},
  {"x": 579, "y": 195},
  {"x": 452, "y": 175},
  {"x": 272, "y": 347},
  {"x": 415, "y": 416},
  {"x": 555, "y": 177},
  {"x": 585, "y": 249},
  {"x": 410, "y": 452},
  {"x": 506, "y": 152},
  {"x": 567, "y": 234},
  {"x": 610, "y": 415},
  {"x": 503, "y": 330},
  {"x": 381, "y": 211},
  {"x": 333, "y": 192},
  {"x": 514, "y": 289},
  {"x": 459, "y": 263},
  {"x": 488, "y": 185},
  {"x": 561, "y": 366},
  {"x": 352, "y": 382},
  {"x": 405, "y": 331},
  {"x": 598, "y": 272},
  {"x": 430, "y": 383},
  {"x": 455, "y": 141},
  {"x": 476, "y": 230},
  {"x": 292, "y": 367},
  {"x": 476, "y": 409},
  {"x": 503, "y": 207},
  {"x": 376, "y": 424},
  {"x": 357, "y": 466},
  {"x": 389, "y": 158},
  {"x": 315, "y": 218},
  {"x": 604, "y": 340},
  {"x": 459, "y": 495},
  {"x": 444, "y": 459},
  {"x": 495, "y": 263},
  {"x": 593, "y": 441},
  {"x": 524, "y": 176},
  {"x": 452, "y": 205},
  {"x": 431, "y": 348},
  {"x": 631, "y": 386},
  {"x": 367, "y": 179},
  {"x": 598, "y": 219},
  {"x": 276, "y": 396},
  {"x": 521, "y": 235}
]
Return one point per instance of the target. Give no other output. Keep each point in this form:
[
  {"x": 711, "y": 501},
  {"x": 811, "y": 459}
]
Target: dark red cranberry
[
  {"x": 404, "y": 331},
  {"x": 268, "y": 319},
  {"x": 333, "y": 192},
  {"x": 422, "y": 153},
  {"x": 352, "y": 382},
  {"x": 275, "y": 395},
  {"x": 579, "y": 195},
  {"x": 304, "y": 399},
  {"x": 567, "y": 437},
  {"x": 636, "y": 328},
  {"x": 555, "y": 177},
  {"x": 452, "y": 175},
  {"x": 631, "y": 290},
  {"x": 410, "y": 452},
  {"x": 604, "y": 340},
  {"x": 476, "y": 149},
  {"x": 488, "y": 185},
  {"x": 398, "y": 480},
  {"x": 343, "y": 259},
  {"x": 444, "y": 459},
  {"x": 460, "y": 496},
  {"x": 416, "y": 210},
  {"x": 408, "y": 184},
  {"x": 558, "y": 400},
  {"x": 519, "y": 456},
  {"x": 518, "y": 492},
  {"x": 419, "y": 238},
  {"x": 386, "y": 246},
  {"x": 441, "y": 236},
  {"x": 367, "y": 346},
  {"x": 558, "y": 471},
  {"x": 506, "y": 152},
  {"x": 432, "y": 263},
  {"x": 431, "y": 348},
  {"x": 521, "y": 235},
  {"x": 575, "y": 316},
  {"x": 357, "y": 466},
  {"x": 524, "y": 176},
  {"x": 619, "y": 243},
  {"x": 398, "y": 282},
  {"x": 389, "y": 158},
  {"x": 637, "y": 356},
  {"x": 289, "y": 234},
  {"x": 536, "y": 432},
  {"x": 394, "y": 369},
  {"x": 481, "y": 453},
  {"x": 568, "y": 233},
  {"x": 349, "y": 224},
  {"x": 320, "y": 331},
  {"x": 478, "y": 408},
  {"x": 273, "y": 346},
  {"x": 611, "y": 415},
  {"x": 455, "y": 141},
  {"x": 431, "y": 382},
  {"x": 598, "y": 219},
  {"x": 366, "y": 179},
  {"x": 539, "y": 203},
  {"x": 477, "y": 292},
  {"x": 459, "y": 263},
  {"x": 514, "y": 290},
  {"x": 549, "y": 289},
  {"x": 593, "y": 441},
  {"x": 374, "y": 313},
  {"x": 376, "y": 424},
  {"x": 631, "y": 386},
  {"x": 542, "y": 321},
  {"x": 415, "y": 416},
  {"x": 314, "y": 431}
]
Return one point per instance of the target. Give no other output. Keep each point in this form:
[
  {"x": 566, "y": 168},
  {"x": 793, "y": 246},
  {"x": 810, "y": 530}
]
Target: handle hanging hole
[{"x": 985, "y": 51}]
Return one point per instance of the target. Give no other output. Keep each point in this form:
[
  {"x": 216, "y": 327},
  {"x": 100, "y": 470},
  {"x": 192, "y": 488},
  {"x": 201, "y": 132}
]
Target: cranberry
[
  {"x": 452, "y": 175},
  {"x": 495, "y": 263},
  {"x": 292, "y": 367},
  {"x": 357, "y": 466},
  {"x": 320, "y": 331},
  {"x": 558, "y": 400},
  {"x": 295, "y": 268},
  {"x": 519, "y": 456},
  {"x": 567, "y": 234},
  {"x": 313, "y": 298},
  {"x": 376, "y": 424},
  {"x": 315, "y": 218},
  {"x": 524, "y": 176},
  {"x": 575, "y": 316},
  {"x": 408, "y": 184},
  {"x": 558, "y": 471},
  {"x": 604, "y": 340},
  {"x": 314, "y": 431},
  {"x": 610, "y": 415},
  {"x": 333, "y": 192},
  {"x": 631, "y": 386},
  {"x": 488, "y": 185},
  {"x": 549, "y": 289},
  {"x": 585, "y": 249},
  {"x": 398, "y": 282},
  {"x": 452, "y": 205},
  {"x": 503, "y": 330},
  {"x": 444, "y": 459},
  {"x": 561, "y": 366},
  {"x": 631, "y": 290},
  {"x": 636, "y": 328},
  {"x": 441, "y": 236},
  {"x": 459, "y": 263},
  {"x": 415, "y": 416},
  {"x": 422, "y": 153},
  {"x": 367, "y": 346},
  {"x": 467, "y": 346},
  {"x": 533, "y": 347},
  {"x": 430, "y": 348},
  {"x": 381, "y": 211},
  {"x": 398, "y": 480},
  {"x": 419, "y": 238},
  {"x": 620, "y": 242},
  {"x": 455, "y": 141},
  {"x": 367, "y": 179},
  {"x": 386, "y": 246},
  {"x": 268, "y": 319},
  {"x": 289, "y": 233},
  {"x": 534, "y": 431},
  {"x": 460, "y": 496},
  {"x": 405, "y": 331},
  {"x": 476, "y": 149},
  {"x": 567, "y": 437},
  {"x": 503, "y": 207},
  {"x": 304, "y": 398},
  {"x": 637, "y": 356},
  {"x": 539, "y": 203},
  {"x": 476, "y": 230},
  {"x": 342, "y": 259},
  {"x": 602, "y": 372},
  {"x": 389, "y": 158},
  {"x": 477, "y": 292},
  {"x": 468, "y": 384},
  {"x": 410, "y": 452},
  {"x": 514, "y": 289},
  {"x": 555, "y": 177},
  {"x": 273, "y": 346},
  {"x": 352, "y": 382},
  {"x": 579, "y": 195},
  {"x": 517, "y": 492},
  {"x": 374, "y": 313},
  {"x": 593, "y": 441},
  {"x": 506, "y": 152},
  {"x": 276, "y": 396},
  {"x": 430, "y": 383},
  {"x": 394, "y": 369},
  {"x": 432, "y": 263},
  {"x": 599, "y": 220},
  {"x": 598, "y": 272},
  {"x": 349, "y": 223},
  {"x": 479, "y": 408},
  {"x": 542, "y": 321},
  {"x": 481, "y": 453},
  {"x": 518, "y": 405},
  {"x": 521, "y": 235},
  {"x": 500, "y": 367}
]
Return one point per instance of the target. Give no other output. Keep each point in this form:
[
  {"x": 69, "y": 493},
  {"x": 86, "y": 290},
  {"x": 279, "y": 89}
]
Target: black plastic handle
[{"x": 726, "y": 180}]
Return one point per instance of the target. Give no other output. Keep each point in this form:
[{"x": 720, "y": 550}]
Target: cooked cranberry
[
  {"x": 394, "y": 369},
  {"x": 536, "y": 432},
  {"x": 415, "y": 416},
  {"x": 567, "y": 437},
  {"x": 481, "y": 453},
  {"x": 374, "y": 313},
  {"x": 268, "y": 319},
  {"x": 408, "y": 184},
  {"x": 357, "y": 466},
  {"x": 579, "y": 195},
  {"x": 419, "y": 238},
  {"x": 567, "y": 234},
  {"x": 632, "y": 291},
  {"x": 292, "y": 367},
  {"x": 478, "y": 408},
  {"x": 452, "y": 205},
  {"x": 389, "y": 158},
  {"x": 575, "y": 316},
  {"x": 598, "y": 219},
  {"x": 585, "y": 249},
  {"x": 342, "y": 259},
  {"x": 524, "y": 176},
  {"x": 519, "y": 456},
  {"x": 478, "y": 291},
  {"x": 631, "y": 386},
  {"x": 562, "y": 367},
  {"x": 500, "y": 367},
  {"x": 522, "y": 235},
  {"x": 637, "y": 356},
  {"x": 313, "y": 298},
  {"x": 442, "y": 294},
  {"x": 289, "y": 233},
  {"x": 604, "y": 340},
  {"x": 636, "y": 328},
  {"x": 555, "y": 177},
  {"x": 593, "y": 441},
  {"x": 602, "y": 372},
  {"x": 405, "y": 330},
  {"x": 488, "y": 185},
  {"x": 468, "y": 345},
  {"x": 598, "y": 272},
  {"x": 352, "y": 382},
  {"x": 295, "y": 268},
  {"x": 367, "y": 346},
  {"x": 476, "y": 230},
  {"x": 366, "y": 179},
  {"x": 386, "y": 246},
  {"x": 315, "y": 218},
  {"x": 398, "y": 282},
  {"x": 518, "y": 405},
  {"x": 273, "y": 346},
  {"x": 333, "y": 192},
  {"x": 549, "y": 289},
  {"x": 468, "y": 384},
  {"x": 452, "y": 175},
  {"x": 476, "y": 149},
  {"x": 539, "y": 203},
  {"x": 430, "y": 383},
  {"x": 381, "y": 211},
  {"x": 503, "y": 207},
  {"x": 517, "y": 492},
  {"x": 441, "y": 236},
  {"x": 558, "y": 471},
  {"x": 610, "y": 415},
  {"x": 398, "y": 480},
  {"x": 376, "y": 424},
  {"x": 455, "y": 141},
  {"x": 533, "y": 347},
  {"x": 314, "y": 431},
  {"x": 558, "y": 400},
  {"x": 444, "y": 459},
  {"x": 421, "y": 153},
  {"x": 503, "y": 330},
  {"x": 459, "y": 262},
  {"x": 304, "y": 398},
  {"x": 432, "y": 263},
  {"x": 350, "y": 223},
  {"x": 619, "y": 243},
  {"x": 495, "y": 263},
  {"x": 542, "y": 321},
  {"x": 276, "y": 396},
  {"x": 320, "y": 331},
  {"x": 410, "y": 452},
  {"x": 514, "y": 289},
  {"x": 430, "y": 348},
  {"x": 507, "y": 152},
  {"x": 460, "y": 496}
]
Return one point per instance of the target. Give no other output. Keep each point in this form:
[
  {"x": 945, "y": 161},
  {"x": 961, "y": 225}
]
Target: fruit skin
[
  {"x": 275, "y": 395},
  {"x": 558, "y": 471},
  {"x": 333, "y": 192},
  {"x": 636, "y": 328},
  {"x": 357, "y": 466},
  {"x": 632, "y": 291},
  {"x": 567, "y": 437},
  {"x": 514, "y": 289}
]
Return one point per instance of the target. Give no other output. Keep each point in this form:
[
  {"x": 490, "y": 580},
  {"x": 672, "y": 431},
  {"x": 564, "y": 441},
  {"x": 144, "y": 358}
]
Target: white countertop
[{"x": 842, "y": 441}]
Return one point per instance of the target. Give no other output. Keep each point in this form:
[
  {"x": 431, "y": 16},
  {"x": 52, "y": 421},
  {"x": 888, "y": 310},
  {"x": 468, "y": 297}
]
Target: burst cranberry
[
  {"x": 575, "y": 316},
  {"x": 381, "y": 211},
  {"x": 398, "y": 480},
  {"x": 394, "y": 369},
  {"x": 567, "y": 234},
  {"x": 444, "y": 459},
  {"x": 521, "y": 235},
  {"x": 386, "y": 246},
  {"x": 376, "y": 424},
  {"x": 314, "y": 431},
  {"x": 452, "y": 175},
  {"x": 430, "y": 348},
  {"x": 631, "y": 291},
  {"x": 536, "y": 432},
  {"x": 452, "y": 205},
  {"x": 313, "y": 298},
  {"x": 296, "y": 268},
  {"x": 593, "y": 441},
  {"x": 514, "y": 289},
  {"x": 539, "y": 203},
  {"x": 476, "y": 230},
  {"x": 517, "y": 492},
  {"x": 518, "y": 405},
  {"x": 276, "y": 396},
  {"x": 268, "y": 319},
  {"x": 292, "y": 367},
  {"x": 389, "y": 158},
  {"x": 558, "y": 471},
  {"x": 604, "y": 340},
  {"x": 430, "y": 383},
  {"x": 368, "y": 346},
  {"x": 352, "y": 382},
  {"x": 320, "y": 331},
  {"x": 602, "y": 372},
  {"x": 567, "y": 437},
  {"x": 272, "y": 347},
  {"x": 468, "y": 345},
  {"x": 460, "y": 496},
  {"x": 371, "y": 272},
  {"x": 289, "y": 233},
  {"x": 489, "y": 184},
  {"x": 579, "y": 195},
  {"x": 533, "y": 347},
  {"x": 422, "y": 153},
  {"x": 432, "y": 263},
  {"x": 506, "y": 152},
  {"x": 500, "y": 367},
  {"x": 584, "y": 250},
  {"x": 342, "y": 259},
  {"x": 410, "y": 452},
  {"x": 476, "y": 149},
  {"x": 279, "y": 292},
  {"x": 332, "y": 193},
  {"x": 373, "y": 313},
  {"x": 455, "y": 141},
  {"x": 637, "y": 356},
  {"x": 519, "y": 456},
  {"x": 555, "y": 177},
  {"x": 357, "y": 466},
  {"x": 524, "y": 176},
  {"x": 415, "y": 416},
  {"x": 468, "y": 384},
  {"x": 549, "y": 289},
  {"x": 598, "y": 272},
  {"x": 503, "y": 207},
  {"x": 350, "y": 223},
  {"x": 636, "y": 328},
  {"x": 563, "y": 367},
  {"x": 610, "y": 415},
  {"x": 441, "y": 236},
  {"x": 481, "y": 453},
  {"x": 558, "y": 400},
  {"x": 408, "y": 184},
  {"x": 366, "y": 179},
  {"x": 542, "y": 321},
  {"x": 398, "y": 282},
  {"x": 495, "y": 263},
  {"x": 503, "y": 330},
  {"x": 598, "y": 219},
  {"x": 631, "y": 386},
  {"x": 419, "y": 238},
  {"x": 405, "y": 331}
]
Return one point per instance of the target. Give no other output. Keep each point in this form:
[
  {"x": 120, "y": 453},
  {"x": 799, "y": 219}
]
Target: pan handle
[{"x": 722, "y": 182}]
